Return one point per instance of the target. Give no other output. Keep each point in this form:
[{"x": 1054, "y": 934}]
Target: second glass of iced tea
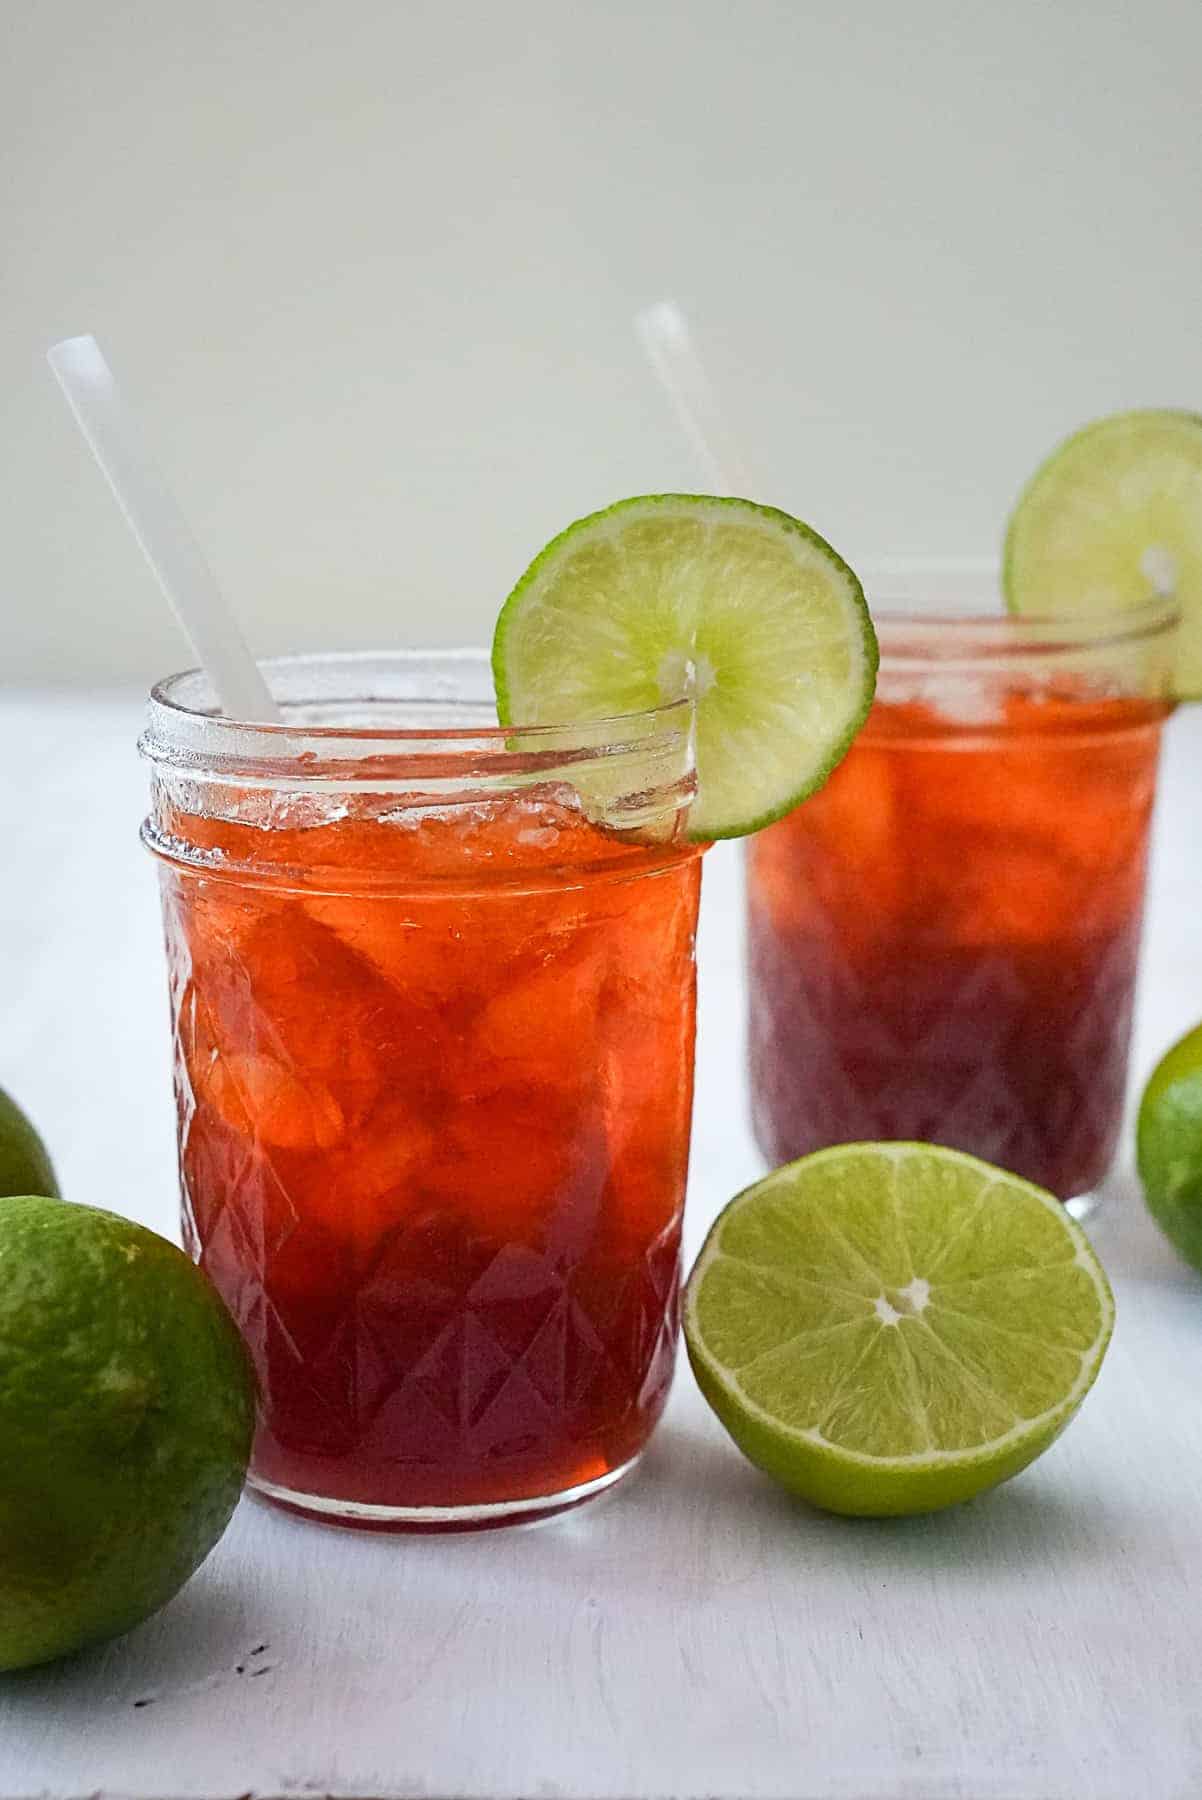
[
  {"x": 432, "y": 992},
  {"x": 943, "y": 941}
]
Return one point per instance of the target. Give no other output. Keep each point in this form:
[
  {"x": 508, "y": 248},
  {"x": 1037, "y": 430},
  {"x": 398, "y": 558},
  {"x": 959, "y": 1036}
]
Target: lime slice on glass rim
[
  {"x": 740, "y": 605},
  {"x": 892, "y": 1328},
  {"x": 1112, "y": 519}
]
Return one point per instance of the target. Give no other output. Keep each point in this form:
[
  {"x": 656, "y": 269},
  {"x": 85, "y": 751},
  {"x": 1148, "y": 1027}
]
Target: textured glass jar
[
  {"x": 943, "y": 942},
  {"x": 432, "y": 991}
]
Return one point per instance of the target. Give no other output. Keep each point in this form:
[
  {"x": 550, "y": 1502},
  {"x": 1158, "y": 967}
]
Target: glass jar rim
[
  {"x": 440, "y": 702},
  {"x": 402, "y": 734},
  {"x": 911, "y": 635}
]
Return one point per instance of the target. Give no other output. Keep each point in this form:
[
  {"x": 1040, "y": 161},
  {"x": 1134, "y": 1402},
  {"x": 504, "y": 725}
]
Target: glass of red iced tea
[
  {"x": 432, "y": 991},
  {"x": 943, "y": 941}
]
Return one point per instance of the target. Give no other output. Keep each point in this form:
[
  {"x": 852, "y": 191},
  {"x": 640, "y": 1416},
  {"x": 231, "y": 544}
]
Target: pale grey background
[{"x": 369, "y": 269}]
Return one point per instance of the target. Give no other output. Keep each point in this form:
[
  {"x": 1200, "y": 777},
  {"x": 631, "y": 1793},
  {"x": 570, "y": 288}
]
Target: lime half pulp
[
  {"x": 740, "y": 605},
  {"x": 1112, "y": 519},
  {"x": 892, "y": 1328}
]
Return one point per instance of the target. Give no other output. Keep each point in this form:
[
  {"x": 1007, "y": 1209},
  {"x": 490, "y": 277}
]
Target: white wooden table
[{"x": 696, "y": 1634}]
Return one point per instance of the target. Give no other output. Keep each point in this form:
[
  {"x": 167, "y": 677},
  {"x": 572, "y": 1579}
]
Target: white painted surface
[{"x": 695, "y": 1635}]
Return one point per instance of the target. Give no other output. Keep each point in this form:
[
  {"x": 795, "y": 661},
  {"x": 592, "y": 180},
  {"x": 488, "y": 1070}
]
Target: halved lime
[
  {"x": 1168, "y": 1145},
  {"x": 892, "y": 1328},
  {"x": 1112, "y": 519},
  {"x": 741, "y": 605}
]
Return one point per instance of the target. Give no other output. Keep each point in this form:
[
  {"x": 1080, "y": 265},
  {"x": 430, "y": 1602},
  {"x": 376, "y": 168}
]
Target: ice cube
[
  {"x": 546, "y": 1016},
  {"x": 261, "y": 1098}
]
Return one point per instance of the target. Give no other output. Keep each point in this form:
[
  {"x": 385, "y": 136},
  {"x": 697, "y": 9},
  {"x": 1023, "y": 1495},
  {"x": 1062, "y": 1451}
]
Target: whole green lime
[
  {"x": 126, "y": 1410},
  {"x": 25, "y": 1168},
  {"x": 1168, "y": 1145}
]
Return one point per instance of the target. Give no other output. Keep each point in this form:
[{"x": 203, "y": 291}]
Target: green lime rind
[
  {"x": 866, "y": 1385},
  {"x": 126, "y": 1414},
  {"x": 613, "y": 615},
  {"x": 1112, "y": 518},
  {"x": 1168, "y": 1146},
  {"x": 25, "y": 1166}
]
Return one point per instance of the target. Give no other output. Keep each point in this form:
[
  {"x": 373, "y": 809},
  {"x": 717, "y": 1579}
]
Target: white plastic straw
[
  {"x": 664, "y": 333},
  {"x": 162, "y": 531}
]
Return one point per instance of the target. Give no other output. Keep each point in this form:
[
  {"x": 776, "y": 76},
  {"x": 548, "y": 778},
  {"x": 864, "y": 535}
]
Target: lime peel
[
  {"x": 1168, "y": 1145},
  {"x": 25, "y": 1166},
  {"x": 127, "y": 1406}
]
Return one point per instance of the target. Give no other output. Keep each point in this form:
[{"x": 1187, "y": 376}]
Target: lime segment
[
  {"x": 1110, "y": 520},
  {"x": 892, "y": 1328},
  {"x": 740, "y": 605}
]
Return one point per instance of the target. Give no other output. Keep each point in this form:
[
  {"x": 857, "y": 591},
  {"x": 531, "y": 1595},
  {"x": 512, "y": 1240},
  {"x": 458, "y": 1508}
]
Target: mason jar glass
[
  {"x": 943, "y": 942},
  {"x": 432, "y": 996}
]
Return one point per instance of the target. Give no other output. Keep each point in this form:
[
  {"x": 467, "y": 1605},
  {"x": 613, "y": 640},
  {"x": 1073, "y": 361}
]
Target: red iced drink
[
  {"x": 434, "y": 1075},
  {"x": 943, "y": 941}
]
